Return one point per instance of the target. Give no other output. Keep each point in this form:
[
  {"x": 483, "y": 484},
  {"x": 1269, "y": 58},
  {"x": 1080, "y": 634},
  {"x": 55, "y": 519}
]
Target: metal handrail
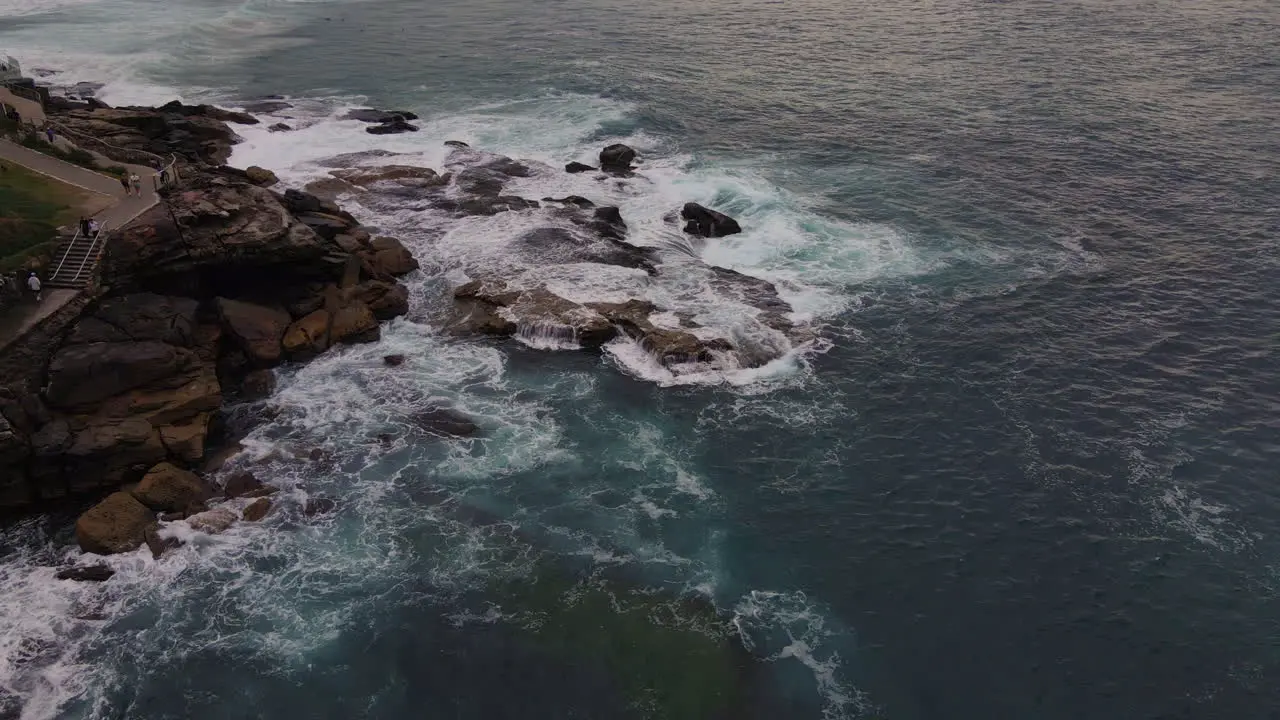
[
  {"x": 70, "y": 245},
  {"x": 101, "y": 231}
]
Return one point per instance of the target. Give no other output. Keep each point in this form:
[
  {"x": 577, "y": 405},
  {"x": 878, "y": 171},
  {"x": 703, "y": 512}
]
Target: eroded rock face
[
  {"x": 617, "y": 158},
  {"x": 444, "y": 422},
  {"x": 257, "y": 510},
  {"x": 115, "y": 525},
  {"x": 81, "y": 375},
  {"x": 197, "y": 133}
]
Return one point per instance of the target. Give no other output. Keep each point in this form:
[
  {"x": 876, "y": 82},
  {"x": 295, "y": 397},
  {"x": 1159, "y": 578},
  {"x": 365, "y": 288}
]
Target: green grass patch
[{"x": 32, "y": 207}]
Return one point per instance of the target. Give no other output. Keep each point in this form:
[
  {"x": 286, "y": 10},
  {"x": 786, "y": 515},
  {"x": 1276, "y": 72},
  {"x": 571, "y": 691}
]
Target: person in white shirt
[{"x": 33, "y": 282}]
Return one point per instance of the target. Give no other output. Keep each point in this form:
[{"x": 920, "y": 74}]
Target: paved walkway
[{"x": 19, "y": 320}]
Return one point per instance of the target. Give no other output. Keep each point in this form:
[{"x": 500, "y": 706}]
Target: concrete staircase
[{"x": 76, "y": 260}]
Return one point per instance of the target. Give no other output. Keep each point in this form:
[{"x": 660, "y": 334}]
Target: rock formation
[{"x": 707, "y": 223}]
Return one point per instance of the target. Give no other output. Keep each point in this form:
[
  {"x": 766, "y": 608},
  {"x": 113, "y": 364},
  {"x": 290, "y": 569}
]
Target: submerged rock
[
  {"x": 444, "y": 422},
  {"x": 86, "y": 573},
  {"x": 391, "y": 127},
  {"x": 240, "y": 484},
  {"x": 577, "y": 167},
  {"x": 319, "y": 506},
  {"x": 393, "y": 360},
  {"x": 370, "y": 115}
]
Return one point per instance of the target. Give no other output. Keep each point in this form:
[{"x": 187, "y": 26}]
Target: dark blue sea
[{"x": 1029, "y": 466}]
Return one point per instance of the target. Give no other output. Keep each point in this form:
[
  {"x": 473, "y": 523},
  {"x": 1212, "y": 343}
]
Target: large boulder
[
  {"x": 444, "y": 422},
  {"x": 81, "y": 375},
  {"x": 386, "y": 299},
  {"x": 308, "y": 336},
  {"x": 577, "y": 167},
  {"x": 257, "y": 510},
  {"x": 493, "y": 308},
  {"x": 401, "y": 175},
  {"x": 354, "y": 323},
  {"x": 617, "y": 157},
  {"x": 168, "y": 488},
  {"x": 115, "y": 525},
  {"x": 258, "y": 330},
  {"x": 704, "y": 222},
  {"x": 394, "y": 126}
]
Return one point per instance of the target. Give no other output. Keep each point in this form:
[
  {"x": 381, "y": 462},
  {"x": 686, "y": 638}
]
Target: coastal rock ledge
[{"x": 213, "y": 285}]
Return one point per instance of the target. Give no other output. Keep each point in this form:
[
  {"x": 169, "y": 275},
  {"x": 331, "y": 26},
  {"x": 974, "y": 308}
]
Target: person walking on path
[
  {"x": 33, "y": 282},
  {"x": 84, "y": 226},
  {"x": 136, "y": 182},
  {"x": 48, "y": 132},
  {"x": 124, "y": 181},
  {"x": 93, "y": 227}
]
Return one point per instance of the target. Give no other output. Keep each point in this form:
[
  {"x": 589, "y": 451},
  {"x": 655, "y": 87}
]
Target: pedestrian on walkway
[
  {"x": 124, "y": 181},
  {"x": 93, "y": 227},
  {"x": 33, "y": 282},
  {"x": 136, "y": 182},
  {"x": 48, "y": 132}
]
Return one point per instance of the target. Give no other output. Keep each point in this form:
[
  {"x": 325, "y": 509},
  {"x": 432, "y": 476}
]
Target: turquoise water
[{"x": 1024, "y": 471}]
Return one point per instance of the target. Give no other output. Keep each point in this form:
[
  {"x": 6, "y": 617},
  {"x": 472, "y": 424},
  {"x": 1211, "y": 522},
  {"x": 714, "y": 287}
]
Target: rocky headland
[{"x": 121, "y": 395}]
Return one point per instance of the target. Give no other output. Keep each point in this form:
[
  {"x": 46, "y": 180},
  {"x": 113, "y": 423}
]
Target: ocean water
[{"x": 1026, "y": 468}]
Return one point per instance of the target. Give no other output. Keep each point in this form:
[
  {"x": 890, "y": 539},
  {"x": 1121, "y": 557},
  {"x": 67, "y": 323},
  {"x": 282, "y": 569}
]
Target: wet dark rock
[
  {"x": 371, "y": 115},
  {"x": 256, "y": 510},
  {"x": 391, "y": 127},
  {"x": 264, "y": 491},
  {"x": 172, "y": 516},
  {"x": 393, "y": 360},
  {"x": 563, "y": 245},
  {"x": 574, "y": 200},
  {"x": 444, "y": 422},
  {"x": 456, "y": 144},
  {"x": 488, "y": 308},
  {"x": 617, "y": 157},
  {"x": 158, "y": 545},
  {"x": 319, "y": 506},
  {"x": 577, "y": 167},
  {"x": 258, "y": 384},
  {"x": 86, "y": 573},
  {"x": 257, "y": 330},
  {"x": 241, "y": 483},
  {"x": 280, "y": 127},
  {"x": 10, "y": 706},
  {"x": 707, "y": 223},
  {"x": 35, "y": 652}
]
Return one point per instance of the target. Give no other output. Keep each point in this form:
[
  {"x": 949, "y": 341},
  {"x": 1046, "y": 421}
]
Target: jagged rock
[
  {"x": 280, "y": 127},
  {"x": 559, "y": 245},
  {"x": 354, "y": 323},
  {"x": 308, "y": 336},
  {"x": 259, "y": 384},
  {"x": 444, "y": 422},
  {"x": 86, "y": 573},
  {"x": 185, "y": 441},
  {"x": 197, "y": 133},
  {"x": 256, "y": 510},
  {"x": 371, "y": 115},
  {"x": 617, "y": 157},
  {"x": 708, "y": 223},
  {"x": 212, "y": 521},
  {"x": 492, "y": 308},
  {"x": 241, "y": 483},
  {"x": 456, "y": 144},
  {"x": 261, "y": 177},
  {"x": 209, "y": 111},
  {"x": 325, "y": 225},
  {"x": 577, "y": 167},
  {"x": 256, "y": 329},
  {"x": 169, "y": 488},
  {"x": 115, "y": 525},
  {"x": 393, "y": 360}
]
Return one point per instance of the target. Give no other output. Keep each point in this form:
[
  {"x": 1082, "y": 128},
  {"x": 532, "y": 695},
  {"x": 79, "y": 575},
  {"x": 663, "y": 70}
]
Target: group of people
[
  {"x": 132, "y": 184},
  {"x": 88, "y": 227}
]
